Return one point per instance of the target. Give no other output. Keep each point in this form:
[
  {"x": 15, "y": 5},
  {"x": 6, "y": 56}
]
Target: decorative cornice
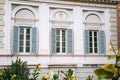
[{"x": 97, "y": 1}]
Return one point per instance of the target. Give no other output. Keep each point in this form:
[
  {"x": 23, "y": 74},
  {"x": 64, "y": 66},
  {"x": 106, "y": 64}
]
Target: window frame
[{"x": 24, "y": 40}]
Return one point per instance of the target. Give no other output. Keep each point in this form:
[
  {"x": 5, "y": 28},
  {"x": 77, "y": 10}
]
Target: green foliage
[
  {"x": 69, "y": 75},
  {"x": 17, "y": 71},
  {"x": 89, "y": 77},
  {"x": 55, "y": 77},
  {"x": 36, "y": 72}
]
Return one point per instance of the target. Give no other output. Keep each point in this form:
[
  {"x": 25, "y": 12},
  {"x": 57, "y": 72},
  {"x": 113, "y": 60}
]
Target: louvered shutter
[
  {"x": 15, "y": 39},
  {"x": 53, "y": 40},
  {"x": 34, "y": 41},
  {"x": 101, "y": 42},
  {"x": 86, "y": 42},
  {"x": 69, "y": 41}
]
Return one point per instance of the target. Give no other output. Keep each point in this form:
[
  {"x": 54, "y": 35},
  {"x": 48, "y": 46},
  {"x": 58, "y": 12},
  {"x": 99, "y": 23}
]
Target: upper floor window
[
  {"x": 24, "y": 30},
  {"x": 61, "y": 32},
  {"x": 94, "y": 35}
]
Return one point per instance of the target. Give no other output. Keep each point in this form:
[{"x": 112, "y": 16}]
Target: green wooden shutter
[
  {"x": 53, "y": 40},
  {"x": 101, "y": 42},
  {"x": 34, "y": 41},
  {"x": 69, "y": 41},
  {"x": 15, "y": 39},
  {"x": 86, "y": 42}
]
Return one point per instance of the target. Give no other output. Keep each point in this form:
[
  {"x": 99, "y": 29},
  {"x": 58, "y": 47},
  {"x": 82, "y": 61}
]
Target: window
[
  {"x": 93, "y": 39},
  {"x": 24, "y": 39},
  {"x": 61, "y": 40},
  {"x": 94, "y": 42}
]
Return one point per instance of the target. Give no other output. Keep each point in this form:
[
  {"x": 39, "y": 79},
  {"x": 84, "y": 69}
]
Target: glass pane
[
  {"x": 91, "y": 50},
  {"x": 63, "y": 38},
  {"x": 90, "y": 38},
  {"x": 95, "y": 50},
  {"x": 28, "y": 31},
  {"x": 27, "y": 37},
  {"x": 58, "y": 32},
  {"x": 21, "y": 30},
  {"x": 58, "y": 44},
  {"x": 21, "y": 49},
  {"x": 58, "y": 38},
  {"x": 95, "y": 38},
  {"x": 27, "y": 49},
  {"x": 90, "y": 33},
  {"x": 63, "y": 43},
  {"x": 95, "y": 44},
  {"x": 21, "y": 43},
  {"x": 95, "y": 33},
  {"x": 21, "y": 37},
  {"x": 63, "y": 50},
  {"x": 90, "y": 44},
  {"x": 58, "y": 50},
  {"x": 27, "y": 43},
  {"x": 63, "y": 32}
]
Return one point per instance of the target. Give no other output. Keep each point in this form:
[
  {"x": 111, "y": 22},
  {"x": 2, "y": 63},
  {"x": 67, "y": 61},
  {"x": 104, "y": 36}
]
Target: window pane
[
  {"x": 21, "y": 49},
  {"x": 58, "y": 50},
  {"x": 58, "y": 44},
  {"x": 63, "y": 43},
  {"x": 27, "y": 31},
  {"x": 27, "y": 49},
  {"x": 90, "y": 33},
  {"x": 27, "y": 43},
  {"x": 91, "y": 51},
  {"x": 27, "y": 37},
  {"x": 96, "y": 50},
  {"x": 58, "y": 38},
  {"x": 21, "y": 43},
  {"x": 63, "y": 50},
  {"x": 58, "y": 32},
  {"x": 21, "y": 30},
  {"x": 21, "y": 37},
  {"x": 63, "y": 32}
]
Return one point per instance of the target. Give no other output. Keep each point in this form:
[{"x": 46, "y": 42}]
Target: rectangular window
[
  {"x": 60, "y": 41},
  {"x": 93, "y": 41},
  {"x": 24, "y": 39}
]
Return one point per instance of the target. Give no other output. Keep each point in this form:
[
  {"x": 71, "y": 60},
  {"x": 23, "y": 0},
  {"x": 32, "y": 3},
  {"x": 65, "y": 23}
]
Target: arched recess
[
  {"x": 24, "y": 15},
  {"x": 60, "y": 17}
]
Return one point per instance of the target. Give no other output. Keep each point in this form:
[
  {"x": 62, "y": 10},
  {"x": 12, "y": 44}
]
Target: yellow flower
[
  {"x": 39, "y": 66},
  {"x": 46, "y": 77}
]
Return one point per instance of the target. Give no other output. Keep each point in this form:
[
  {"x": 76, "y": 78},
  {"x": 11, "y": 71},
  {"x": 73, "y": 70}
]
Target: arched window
[
  {"x": 61, "y": 32},
  {"x": 94, "y": 36},
  {"x": 24, "y": 32}
]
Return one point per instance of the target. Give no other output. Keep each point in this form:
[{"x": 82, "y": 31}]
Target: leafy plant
[
  {"x": 69, "y": 75},
  {"x": 17, "y": 71}
]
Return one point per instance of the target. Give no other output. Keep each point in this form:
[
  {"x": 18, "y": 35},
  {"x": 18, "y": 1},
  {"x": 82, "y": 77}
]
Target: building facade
[{"x": 58, "y": 34}]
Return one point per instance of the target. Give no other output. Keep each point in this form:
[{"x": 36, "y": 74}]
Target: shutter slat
[
  {"x": 15, "y": 40},
  {"x": 86, "y": 42},
  {"x": 69, "y": 41},
  {"x": 53, "y": 37},
  {"x": 101, "y": 41},
  {"x": 34, "y": 41}
]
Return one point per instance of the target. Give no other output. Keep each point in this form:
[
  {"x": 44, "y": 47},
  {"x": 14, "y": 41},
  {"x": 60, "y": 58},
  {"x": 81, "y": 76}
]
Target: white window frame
[
  {"x": 24, "y": 41},
  {"x": 93, "y": 41},
  {"x": 61, "y": 40}
]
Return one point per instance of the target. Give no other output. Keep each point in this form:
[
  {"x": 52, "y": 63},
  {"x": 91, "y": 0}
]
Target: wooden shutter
[
  {"x": 34, "y": 41},
  {"x": 15, "y": 39},
  {"x": 101, "y": 42},
  {"x": 53, "y": 40},
  {"x": 86, "y": 42},
  {"x": 69, "y": 41}
]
